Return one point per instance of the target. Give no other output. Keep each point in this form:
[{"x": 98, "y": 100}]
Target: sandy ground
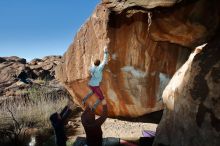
[
  {"x": 113, "y": 128},
  {"x": 125, "y": 129}
]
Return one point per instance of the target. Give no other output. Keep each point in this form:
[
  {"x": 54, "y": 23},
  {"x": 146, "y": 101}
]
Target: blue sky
[{"x": 37, "y": 28}]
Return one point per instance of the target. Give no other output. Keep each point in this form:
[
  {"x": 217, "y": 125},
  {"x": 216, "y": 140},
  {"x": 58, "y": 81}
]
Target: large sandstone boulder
[
  {"x": 138, "y": 70},
  {"x": 146, "y": 48},
  {"x": 192, "y": 100}
]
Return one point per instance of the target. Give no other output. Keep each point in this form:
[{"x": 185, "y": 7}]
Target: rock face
[
  {"x": 188, "y": 24},
  {"x": 146, "y": 48},
  {"x": 192, "y": 99},
  {"x": 120, "y": 5},
  {"x": 37, "y": 69},
  {"x": 139, "y": 67}
]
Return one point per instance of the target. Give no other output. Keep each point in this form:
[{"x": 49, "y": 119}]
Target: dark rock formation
[
  {"x": 2, "y": 59},
  {"x": 15, "y": 59}
]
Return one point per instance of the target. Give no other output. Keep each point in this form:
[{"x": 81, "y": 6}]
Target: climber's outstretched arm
[
  {"x": 103, "y": 116},
  {"x": 105, "y": 60}
]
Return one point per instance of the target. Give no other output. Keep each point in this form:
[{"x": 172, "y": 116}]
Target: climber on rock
[{"x": 96, "y": 77}]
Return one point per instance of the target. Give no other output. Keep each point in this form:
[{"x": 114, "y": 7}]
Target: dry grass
[
  {"x": 32, "y": 114},
  {"x": 31, "y": 111}
]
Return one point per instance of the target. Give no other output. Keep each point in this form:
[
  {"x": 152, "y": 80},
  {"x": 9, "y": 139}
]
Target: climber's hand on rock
[
  {"x": 104, "y": 102},
  {"x": 105, "y": 49}
]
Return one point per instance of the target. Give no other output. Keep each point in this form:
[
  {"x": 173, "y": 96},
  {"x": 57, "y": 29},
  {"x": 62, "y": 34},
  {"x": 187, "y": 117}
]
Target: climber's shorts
[{"x": 97, "y": 91}]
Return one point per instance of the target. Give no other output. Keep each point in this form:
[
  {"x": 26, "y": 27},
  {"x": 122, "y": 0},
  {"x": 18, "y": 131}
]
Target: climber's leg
[
  {"x": 98, "y": 92},
  {"x": 86, "y": 97},
  {"x": 96, "y": 104}
]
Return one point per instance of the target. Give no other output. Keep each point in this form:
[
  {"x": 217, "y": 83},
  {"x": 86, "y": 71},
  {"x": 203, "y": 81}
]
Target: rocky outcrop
[
  {"x": 38, "y": 70},
  {"x": 8, "y": 69},
  {"x": 45, "y": 68},
  {"x": 192, "y": 100}
]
